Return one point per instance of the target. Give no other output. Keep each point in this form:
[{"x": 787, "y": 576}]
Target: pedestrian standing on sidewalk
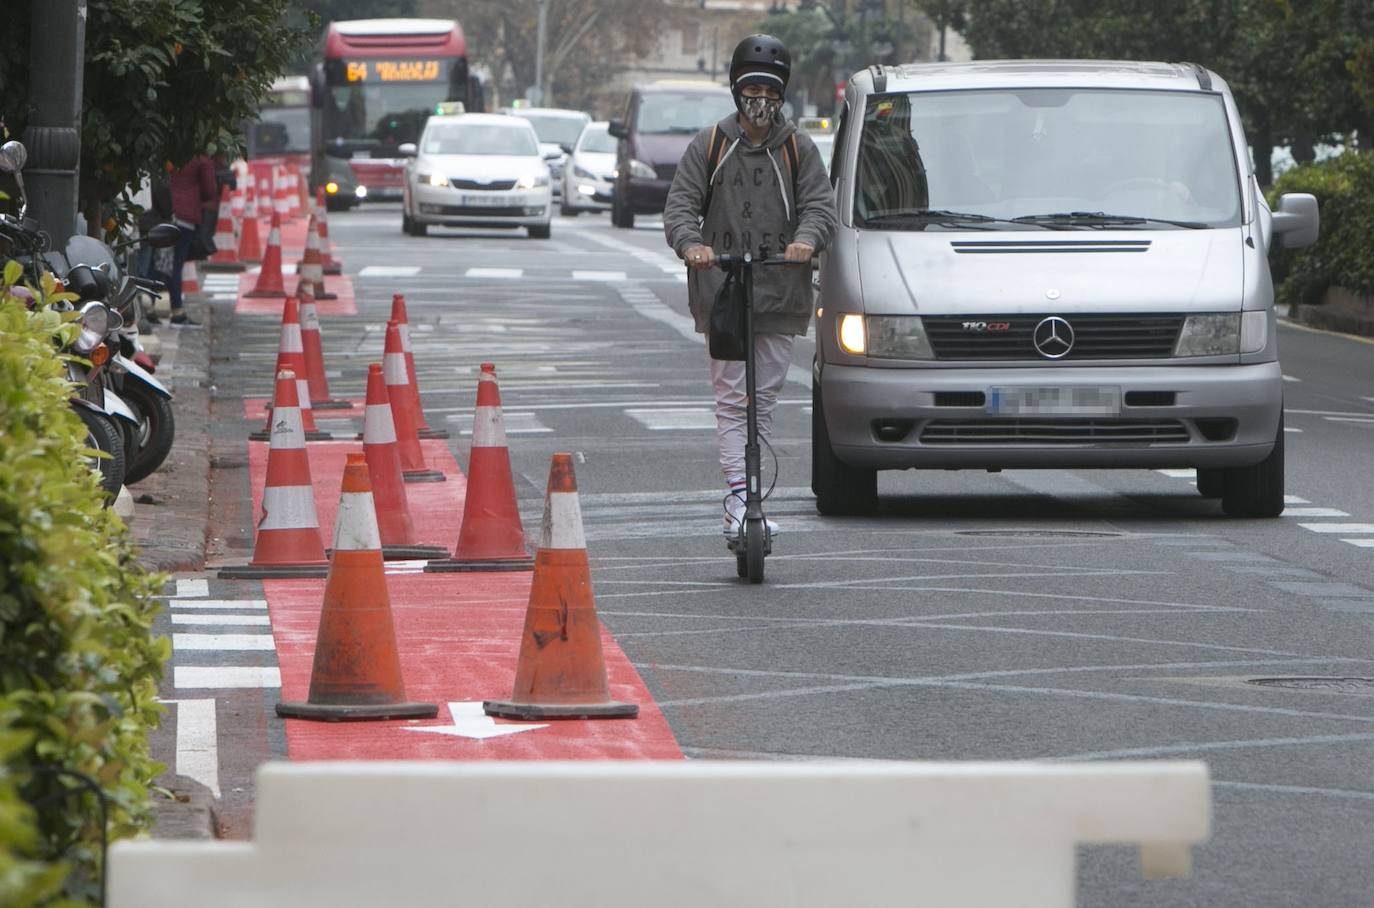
[
  {"x": 193, "y": 195},
  {"x": 751, "y": 183}
]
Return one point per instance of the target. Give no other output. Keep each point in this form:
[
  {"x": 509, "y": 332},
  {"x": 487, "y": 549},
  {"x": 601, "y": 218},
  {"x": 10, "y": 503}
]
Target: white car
[
  {"x": 589, "y": 177},
  {"x": 557, "y": 129},
  {"x": 476, "y": 170}
]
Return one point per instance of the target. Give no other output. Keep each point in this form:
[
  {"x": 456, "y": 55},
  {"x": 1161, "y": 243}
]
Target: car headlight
[
  {"x": 360, "y": 192},
  {"x": 433, "y": 179},
  {"x": 531, "y": 180},
  {"x": 584, "y": 173},
  {"x": 1209, "y": 335},
  {"x": 885, "y": 336},
  {"x": 641, "y": 170}
]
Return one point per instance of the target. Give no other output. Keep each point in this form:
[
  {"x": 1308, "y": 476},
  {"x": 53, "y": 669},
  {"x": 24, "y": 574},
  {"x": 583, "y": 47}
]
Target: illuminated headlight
[
  {"x": 95, "y": 324},
  {"x": 853, "y": 338},
  {"x": 1209, "y": 335},
  {"x": 361, "y": 192},
  {"x": 1254, "y": 331},
  {"x": 531, "y": 180},
  {"x": 584, "y": 189},
  {"x": 437, "y": 180},
  {"x": 331, "y": 187},
  {"x": 885, "y": 336},
  {"x": 641, "y": 170}
]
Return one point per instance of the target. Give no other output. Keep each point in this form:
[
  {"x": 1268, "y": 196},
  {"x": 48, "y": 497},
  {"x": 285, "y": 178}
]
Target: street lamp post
[
  {"x": 57, "y": 48},
  {"x": 537, "y": 93}
]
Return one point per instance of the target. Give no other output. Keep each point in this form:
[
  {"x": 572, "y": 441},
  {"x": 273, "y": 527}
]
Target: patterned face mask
[{"x": 760, "y": 111}]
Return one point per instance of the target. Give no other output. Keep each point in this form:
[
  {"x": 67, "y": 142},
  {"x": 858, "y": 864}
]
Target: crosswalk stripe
[
  {"x": 256, "y": 620},
  {"x": 516, "y": 423},
  {"x": 202, "y": 677},
  {"x": 218, "y": 603},
  {"x": 1338, "y": 527},
  {"x": 223, "y": 642},
  {"x": 674, "y": 418},
  {"x": 598, "y": 275},
  {"x": 189, "y": 588},
  {"x": 503, "y": 273},
  {"x": 1314, "y": 512},
  {"x": 1365, "y": 543},
  {"x": 389, "y": 271}
]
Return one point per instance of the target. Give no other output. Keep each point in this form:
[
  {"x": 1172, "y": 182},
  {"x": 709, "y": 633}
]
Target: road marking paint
[
  {"x": 1365, "y": 543},
  {"x": 675, "y": 418},
  {"x": 1296, "y": 789},
  {"x": 1314, "y": 512},
  {"x": 1179, "y": 474},
  {"x": 598, "y": 275},
  {"x": 1354, "y": 419},
  {"x": 1293, "y": 499},
  {"x": 187, "y": 589},
  {"x": 1292, "y": 378},
  {"x": 1199, "y": 747},
  {"x": 1338, "y": 527},
  {"x": 389, "y": 271},
  {"x": 501, "y": 273},
  {"x": 517, "y": 423},
  {"x": 1363, "y": 415},
  {"x": 181, "y": 642},
  {"x": 255, "y": 620},
  {"x": 218, "y": 603},
  {"x": 216, "y": 677},
  {"x": 469, "y": 721},
  {"x": 197, "y": 742},
  {"x": 1293, "y": 430}
]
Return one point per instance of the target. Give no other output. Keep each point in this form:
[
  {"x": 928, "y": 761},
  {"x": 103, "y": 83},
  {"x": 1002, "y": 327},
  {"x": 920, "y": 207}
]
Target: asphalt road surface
[{"x": 1023, "y": 615}]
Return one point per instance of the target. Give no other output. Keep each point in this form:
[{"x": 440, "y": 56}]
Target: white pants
[{"x": 772, "y": 358}]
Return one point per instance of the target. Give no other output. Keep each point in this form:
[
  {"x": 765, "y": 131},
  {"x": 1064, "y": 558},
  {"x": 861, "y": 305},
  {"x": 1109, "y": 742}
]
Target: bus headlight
[{"x": 1209, "y": 335}]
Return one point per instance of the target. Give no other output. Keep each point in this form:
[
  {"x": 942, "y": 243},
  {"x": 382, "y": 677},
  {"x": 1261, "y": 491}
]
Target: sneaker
[
  {"x": 183, "y": 320},
  {"x": 734, "y": 514}
]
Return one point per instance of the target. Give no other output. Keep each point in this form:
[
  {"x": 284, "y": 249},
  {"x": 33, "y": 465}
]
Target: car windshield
[
  {"x": 280, "y": 130},
  {"x": 480, "y": 138},
  {"x": 597, "y": 140},
  {"x": 554, "y": 129},
  {"x": 1091, "y": 157},
  {"x": 685, "y": 112}
]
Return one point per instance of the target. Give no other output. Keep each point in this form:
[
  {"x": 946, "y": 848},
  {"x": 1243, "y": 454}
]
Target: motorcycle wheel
[
  {"x": 156, "y": 430},
  {"x": 103, "y": 435}
]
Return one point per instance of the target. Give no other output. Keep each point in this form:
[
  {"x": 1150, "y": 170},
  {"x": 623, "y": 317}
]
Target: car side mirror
[
  {"x": 566, "y": 146},
  {"x": 407, "y": 150},
  {"x": 618, "y": 130},
  {"x": 163, "y": 236},
  {"x": 1297, "y": 220}
]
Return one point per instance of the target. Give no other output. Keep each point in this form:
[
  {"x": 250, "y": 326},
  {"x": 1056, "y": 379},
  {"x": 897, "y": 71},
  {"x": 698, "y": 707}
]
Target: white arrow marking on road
[{"x": 470, "y": 722}]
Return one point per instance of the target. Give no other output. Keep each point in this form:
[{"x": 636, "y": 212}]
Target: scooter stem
[{"x": 753, "y": 495}]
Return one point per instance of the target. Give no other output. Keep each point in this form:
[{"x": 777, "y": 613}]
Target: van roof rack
[
  {"x": 1204, "y": 78},
  {"x": 879, "y": 77}
]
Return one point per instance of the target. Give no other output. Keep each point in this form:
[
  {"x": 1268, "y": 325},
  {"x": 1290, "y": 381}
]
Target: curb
[{"x": 186, "y": 810}]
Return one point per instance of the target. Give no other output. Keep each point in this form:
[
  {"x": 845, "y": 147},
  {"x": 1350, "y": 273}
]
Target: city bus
[{"x": 376, "y": 82}]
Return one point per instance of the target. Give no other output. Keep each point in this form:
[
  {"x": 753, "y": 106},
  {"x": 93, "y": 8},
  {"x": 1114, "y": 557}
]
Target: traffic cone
[
  {"x": 288, "y": 542},
  {"x": 237, "y": 200},
  {"x": 492, "y": 537},
  {"x": 291, "y": 355},
  {"x": 190, "y": 282},
  {"x": 301, "y": 201},
  {"x": 331, "y": 264},
  {"x": 407, "y": 441},
  {"x": 226, "y": 257},
  {"x": 311, "y": 267},
  {"x": 384, "y": 470},
  {"x": 398, "y": 313},
  {"x": 312, "y": 346},
  {"x": 250, "y": 246},
  {"x": 561, "y": 673},
  {"x": 281, "y": 202},
  {"x": 357, "y": 670},
  {"x": 269, "y": 282}
]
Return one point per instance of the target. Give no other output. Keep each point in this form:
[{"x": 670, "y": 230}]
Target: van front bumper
[{"x": 897, "y": 418}]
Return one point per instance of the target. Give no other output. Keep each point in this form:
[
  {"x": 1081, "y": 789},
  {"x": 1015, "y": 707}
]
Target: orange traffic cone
[
  {"x": 301, "y": 200},
  {"x": 291, "y": 355},
  {"x": 407, "y": 441},
  {"x": 311, "y": 267},
  {"x": 398, "y": 313},
  {"x": 331, "y": 264},
  {"x": 312, "y": 346},
  {"x": 190, "y": 282},
  {"x": 269, "y": 283},
  {"x": 288, "y": 542},
  {"x": 492, "y": 537},
  {"x": 226, "y": 257},
  {"x": 281, "y": 201},
  {"x": 237, "y": 200},
  {"x": 250, "y": 246},
  {"x": 561, "y": 673},
  {"x": 384, "y": 469},
  {"x": 357, "y": 670}
]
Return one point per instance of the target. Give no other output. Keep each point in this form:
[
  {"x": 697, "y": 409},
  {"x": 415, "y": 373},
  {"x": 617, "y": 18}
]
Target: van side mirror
[
  {"x": 407, "y": 150},
  {"x": 618, "y": 130},
  {"x": 1297, "y": 220}
]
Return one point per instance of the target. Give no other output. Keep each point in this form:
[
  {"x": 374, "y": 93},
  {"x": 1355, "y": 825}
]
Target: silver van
[{"x": 1049, "y": 264}]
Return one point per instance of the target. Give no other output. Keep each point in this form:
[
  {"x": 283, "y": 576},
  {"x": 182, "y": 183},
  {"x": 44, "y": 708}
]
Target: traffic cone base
[
  {"x": 423, "y": 476},
  {"x": 444, "y": 565},
  {"x": 433, "y": 433},
  {"x": 267, "y": 572},
  {"x": 310, "y": 435}
]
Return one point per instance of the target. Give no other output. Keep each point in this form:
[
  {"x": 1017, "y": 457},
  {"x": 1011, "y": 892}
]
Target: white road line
[
  {"x": 182, "y": 642},
  {"x": 197, "y": 742},
  {"x": 1293, "y": 499},
  {"x": 216, "y": 677},
  {"x": 517, "y": 423},
  {"x": 389, "y": 271},
  {"x": 187, "y": 589},
  {"x": 218, "y": 603},
  {"x": 675, "y": 418},
  {"x": 1314, "y": 512},
  {"x": 254, "y": 620},
  {"x": 1292, "y": 378},
  {"x": 1365, "y": 543},
  {"x": 1293, "y": 430},
  {"x": 502, "y": 273},
  {"x": 1179, "y": 474},
  {"x": 1354, "y": 419},
  {"x": 598, "y": 275},
  {"x": 1338, "y": 527}
]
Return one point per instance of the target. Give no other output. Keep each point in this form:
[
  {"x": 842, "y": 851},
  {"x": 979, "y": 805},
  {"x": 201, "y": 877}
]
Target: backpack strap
[{"x": 713, "y": 153}]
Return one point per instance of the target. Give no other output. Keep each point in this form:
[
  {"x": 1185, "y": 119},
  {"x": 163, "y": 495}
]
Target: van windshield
[
  {"x": 1063, "y": 158},
  {"x": 686, "y": 112}
]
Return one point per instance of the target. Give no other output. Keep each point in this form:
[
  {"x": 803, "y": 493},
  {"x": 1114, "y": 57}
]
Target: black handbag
[
  {"x": 203, "y": 239},
  {"x": 725, "y": 334}
]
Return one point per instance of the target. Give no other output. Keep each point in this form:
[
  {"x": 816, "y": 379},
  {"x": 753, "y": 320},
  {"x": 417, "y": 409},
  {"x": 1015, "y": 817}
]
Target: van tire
[
  {"x": 841, "y": 490},
  {"x": 1211, "y": 483},
  {"x": 1256, "y": 491}
]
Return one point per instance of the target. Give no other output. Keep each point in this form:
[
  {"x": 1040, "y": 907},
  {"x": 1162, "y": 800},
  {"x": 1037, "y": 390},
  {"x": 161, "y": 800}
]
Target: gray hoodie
[{"x": 754, "y": 202}]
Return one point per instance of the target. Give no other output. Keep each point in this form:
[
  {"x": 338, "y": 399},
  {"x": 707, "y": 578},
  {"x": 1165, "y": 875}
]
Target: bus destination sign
[{"x": 383, "y": 70}]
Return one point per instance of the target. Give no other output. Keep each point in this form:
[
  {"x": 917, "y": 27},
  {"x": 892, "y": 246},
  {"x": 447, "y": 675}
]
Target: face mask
[{"x": 760, "y": 111}]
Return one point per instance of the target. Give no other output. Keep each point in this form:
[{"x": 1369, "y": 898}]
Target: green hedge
[
  {"x": 79, "y": 665},
  {"x": 1344, "y": 255}
]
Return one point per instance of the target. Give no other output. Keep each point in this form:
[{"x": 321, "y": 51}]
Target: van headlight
[
  {"x": 1209, "y": 335},
  {"x": 642, "y": 171},
  {"x": 885, "y": 336},
  {"x": 1254, "y": 331},
  {"x": 531, "y": 180}
]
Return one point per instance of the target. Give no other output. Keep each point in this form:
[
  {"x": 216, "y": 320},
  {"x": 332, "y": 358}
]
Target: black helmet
[{"x": 762, "y": 57}]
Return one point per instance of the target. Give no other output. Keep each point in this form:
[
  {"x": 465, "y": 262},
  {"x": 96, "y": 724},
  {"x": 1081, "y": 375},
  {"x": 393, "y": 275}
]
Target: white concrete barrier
[{"x": 611, "y": 834}]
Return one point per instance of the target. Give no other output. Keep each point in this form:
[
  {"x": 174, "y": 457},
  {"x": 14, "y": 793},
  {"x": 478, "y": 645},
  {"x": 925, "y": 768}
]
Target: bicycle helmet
[{"x": 760, "y": 60}]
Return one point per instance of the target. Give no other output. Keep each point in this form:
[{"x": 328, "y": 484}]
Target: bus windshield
[{"x": 280, "y": 130}]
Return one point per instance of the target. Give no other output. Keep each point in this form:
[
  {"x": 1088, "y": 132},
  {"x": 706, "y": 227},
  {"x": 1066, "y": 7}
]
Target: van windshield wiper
[
  {"x": 934, "y": 216},
  {"x": 1101, "y": 219}
]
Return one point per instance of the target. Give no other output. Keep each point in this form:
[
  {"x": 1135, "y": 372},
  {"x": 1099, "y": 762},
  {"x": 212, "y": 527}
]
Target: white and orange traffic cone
[
  {"x": 357, "y": 668},
  {"x": 311, "y": 266},
  {"x": 190, "y": 282},
  {"x": 288, "y": 541},
  {"x": 407, "y": 441},
  {"x": 237, "y": 200},
  {"x": 561, "y": 672},
  {"x": 250, "y": 245},
  {"x": 226, "y": 257},
  {"x": 492, "y": 537},
  {"x": 281, "y": 198},
  {"x": 269, "y": 283},
  {"x": 291, "y": 356},
  {"x": 398, "y": 314},
  {"x": 300, "y": 201},
  {"x": 312, "y": 345},
  {"x": 331, "y": 264},
  {"x": 384, "y": 469}
]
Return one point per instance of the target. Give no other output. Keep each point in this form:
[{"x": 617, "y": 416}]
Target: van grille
[
  {"x": 962, "y": 337},
  {"x": 1053, "y": 431},
  {"x": 1005, "y": 247}
]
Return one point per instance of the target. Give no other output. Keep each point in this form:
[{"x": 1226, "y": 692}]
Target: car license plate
[
  {"x": 1085, "y": 401},
  {"x": 490, "y": 201}
]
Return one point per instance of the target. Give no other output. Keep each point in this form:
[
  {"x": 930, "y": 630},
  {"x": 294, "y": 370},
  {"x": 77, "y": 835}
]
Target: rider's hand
[
  {"x": 700, "y": 257},
  {"x": 798, "y": 252}
]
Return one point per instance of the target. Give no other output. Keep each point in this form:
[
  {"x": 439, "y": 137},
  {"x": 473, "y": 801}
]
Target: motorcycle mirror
[
  {"x": 13, "y": 156},
  {"x": 163, "y": 236}
]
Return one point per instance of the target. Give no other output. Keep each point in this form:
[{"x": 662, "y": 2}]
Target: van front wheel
[
  {"x": 841, "y": 490},
  {"x": 1256, "y": 491}
]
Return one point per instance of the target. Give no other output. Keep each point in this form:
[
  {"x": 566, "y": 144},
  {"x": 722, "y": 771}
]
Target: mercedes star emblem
[{"x": 1053, "y": 337}]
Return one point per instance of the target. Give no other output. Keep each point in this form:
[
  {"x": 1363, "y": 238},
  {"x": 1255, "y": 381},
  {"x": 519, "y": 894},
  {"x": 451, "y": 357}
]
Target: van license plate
[{"x": 1084, "y": 401}]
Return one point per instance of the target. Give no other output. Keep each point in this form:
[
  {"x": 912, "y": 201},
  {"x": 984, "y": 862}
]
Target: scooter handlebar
[{"x": 727, "y": 261}]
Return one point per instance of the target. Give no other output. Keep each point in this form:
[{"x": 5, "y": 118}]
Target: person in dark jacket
[{"x": 194, "y": 193}]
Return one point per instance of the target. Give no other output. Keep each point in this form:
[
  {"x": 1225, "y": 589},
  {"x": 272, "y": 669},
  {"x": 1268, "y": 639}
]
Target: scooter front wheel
[{"x": 755, "y": 539}]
